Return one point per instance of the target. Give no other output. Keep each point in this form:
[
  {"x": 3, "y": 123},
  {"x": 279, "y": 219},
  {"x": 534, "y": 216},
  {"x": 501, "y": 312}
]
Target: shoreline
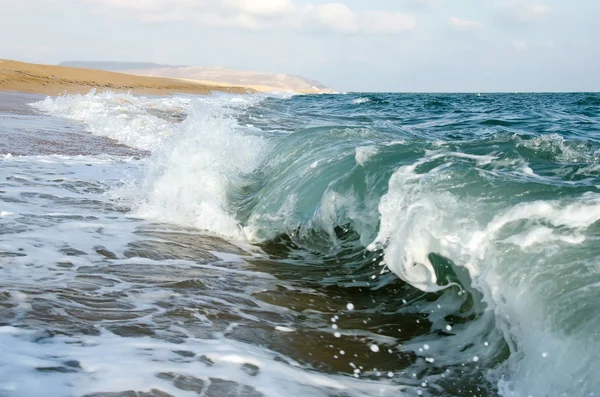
[{"x": 56, "y": 80}]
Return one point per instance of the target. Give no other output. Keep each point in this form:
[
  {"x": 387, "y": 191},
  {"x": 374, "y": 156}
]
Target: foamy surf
[{"x": 490, "y": 229}]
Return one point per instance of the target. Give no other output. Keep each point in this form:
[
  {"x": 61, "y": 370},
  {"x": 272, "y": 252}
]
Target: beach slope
[{"x": 56, "y": 80}]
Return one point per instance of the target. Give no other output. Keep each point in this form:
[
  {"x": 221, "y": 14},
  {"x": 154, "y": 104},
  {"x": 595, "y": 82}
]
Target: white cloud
[
  {"x": 260, "y": 7},
  {"x": 339, "y": 18},
  {"x": 335, "y": 16},
  {"x": 522, "y": 10},
  {"x": 466, "y": 25},
  {"x": 263, "y": 14}
]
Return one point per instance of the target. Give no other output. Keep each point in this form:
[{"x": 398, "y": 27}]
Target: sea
[{"x": 335, "y": 245}]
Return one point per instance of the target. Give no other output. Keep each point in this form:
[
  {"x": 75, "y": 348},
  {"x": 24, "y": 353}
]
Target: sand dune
[
  {"x": 259, "y": 81},
  {"x": 55, "y": 80}
]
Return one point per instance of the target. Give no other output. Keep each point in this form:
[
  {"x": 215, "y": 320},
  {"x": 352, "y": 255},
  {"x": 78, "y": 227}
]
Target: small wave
[
  {"x": 364, "y": 153},
  {"x": 500, "y": 123},
  {"x": 590, "y": 100},
  {"x": 358, "y": 101},
  {"x": 436, "y": 104},
  {"x": 553, "y": 147}
]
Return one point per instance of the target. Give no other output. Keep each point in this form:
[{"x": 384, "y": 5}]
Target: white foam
[
  {"x": 189, "y": 178},
  {"x": 542, "y": 235},
  {"x": 479, "y": 159},
  {"x": 111, "y": 363},
  {"x": 358, "y": 101},
  {"x": 284, "y": 329},
  {"x": 126, "y": 118},
  {"x": 365, "y": 153},
  {"x": 528, "y": 171},
  {"x": 193, "y": 163}
]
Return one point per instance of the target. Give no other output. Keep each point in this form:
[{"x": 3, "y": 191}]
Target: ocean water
[{"x": 322, "y": 245}]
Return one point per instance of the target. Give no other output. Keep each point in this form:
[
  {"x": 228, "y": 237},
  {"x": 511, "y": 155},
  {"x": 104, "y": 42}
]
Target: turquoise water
[{"x": 341, "y": 245}]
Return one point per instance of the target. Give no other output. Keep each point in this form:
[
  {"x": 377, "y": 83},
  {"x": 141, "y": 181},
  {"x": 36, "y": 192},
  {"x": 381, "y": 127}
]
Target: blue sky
[{"x": 356, "y": 45}]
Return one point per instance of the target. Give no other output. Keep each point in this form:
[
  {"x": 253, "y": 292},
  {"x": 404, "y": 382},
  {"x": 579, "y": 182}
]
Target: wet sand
[{"x": 56, "y": 80}]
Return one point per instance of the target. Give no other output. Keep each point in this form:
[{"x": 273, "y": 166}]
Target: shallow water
[{"x": 335, "y": 245}]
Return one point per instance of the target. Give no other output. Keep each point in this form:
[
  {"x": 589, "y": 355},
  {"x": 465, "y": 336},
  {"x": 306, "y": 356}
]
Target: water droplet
[
  {"x": 426, "y": 346},
  {"x": 448, "y": 327},
  {"x": 337, "y": 335},
  {"x": 350, "y": 306},
  {"x": 374, "y": 348},
  {"x": 475, "y": 359}
]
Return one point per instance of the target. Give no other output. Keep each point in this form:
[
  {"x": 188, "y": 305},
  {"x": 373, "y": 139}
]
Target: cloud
[
  {"x": 335, "y": 16},
  {"x": 465, "y": 25},
  {"x": 523, "y": 11},
  {"x": 338, "y": 17},
  {"x": 260, "y": 7},
  {"x": 263, "y": 15}
]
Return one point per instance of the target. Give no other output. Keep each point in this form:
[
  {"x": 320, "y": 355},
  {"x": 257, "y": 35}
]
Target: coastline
[
  {"x": 251, "y": 87},
  {"x": 56, "y": 80}
]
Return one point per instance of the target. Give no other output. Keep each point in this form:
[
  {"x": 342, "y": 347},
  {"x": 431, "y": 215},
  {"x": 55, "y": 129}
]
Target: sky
[{"x": 354, "y": 45}]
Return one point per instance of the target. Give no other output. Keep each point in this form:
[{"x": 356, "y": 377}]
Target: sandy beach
[{"x": 56, "y": 80}]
